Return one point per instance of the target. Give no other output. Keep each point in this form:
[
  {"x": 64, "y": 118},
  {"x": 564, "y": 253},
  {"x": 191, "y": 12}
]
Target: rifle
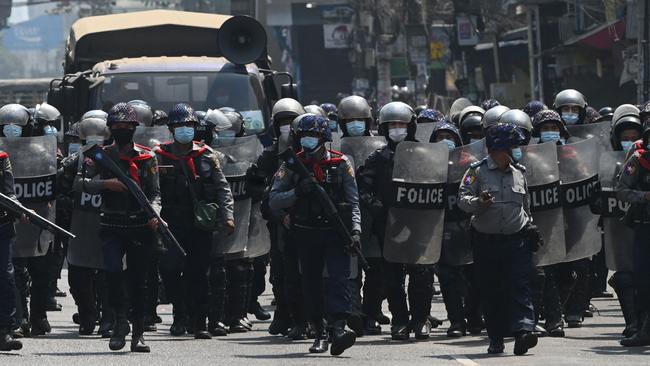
[
  {"x": 292, "y": 161},
  {"x": 98, "y": 155},
  {"x": 18, "y": 210}
]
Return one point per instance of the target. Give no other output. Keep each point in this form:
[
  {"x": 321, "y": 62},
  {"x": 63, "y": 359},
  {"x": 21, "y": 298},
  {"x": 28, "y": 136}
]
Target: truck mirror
[{"x": 289, "y": 90}]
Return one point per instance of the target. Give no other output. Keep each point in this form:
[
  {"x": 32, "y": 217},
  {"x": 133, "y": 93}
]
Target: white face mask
[
  {"x": 397, "y": 134},
  {"x": 284, "y": 130}
]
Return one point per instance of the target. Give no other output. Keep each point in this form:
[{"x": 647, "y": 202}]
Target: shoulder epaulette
[{"x": 477, "y": 164}]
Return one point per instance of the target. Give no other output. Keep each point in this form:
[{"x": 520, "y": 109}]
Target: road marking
[{"x": 464, "y": 361}]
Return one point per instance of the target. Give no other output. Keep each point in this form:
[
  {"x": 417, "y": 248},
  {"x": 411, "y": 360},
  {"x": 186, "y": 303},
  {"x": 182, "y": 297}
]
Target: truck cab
[{"x": 166, "y": 57}]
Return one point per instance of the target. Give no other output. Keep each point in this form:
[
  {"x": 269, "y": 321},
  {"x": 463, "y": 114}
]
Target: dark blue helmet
[
  {"x": 533, "y": 107},
  {"x": 122, "y": 112},
  {"x": 181, "y": 113},
  {"x": 489, "y": 103},
  {"x": 314, "y": 123},
  {"x": 446, "y": 125},
  {"x": 503, "y": 137},
  {"x": 329, "y": 108},
  {"x": 430, "y": 115}
]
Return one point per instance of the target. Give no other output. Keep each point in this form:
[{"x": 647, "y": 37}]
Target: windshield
[{"x": 202, "y": 91}]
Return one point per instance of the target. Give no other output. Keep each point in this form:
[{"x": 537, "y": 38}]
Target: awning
[{"x": 602, "y": 37}]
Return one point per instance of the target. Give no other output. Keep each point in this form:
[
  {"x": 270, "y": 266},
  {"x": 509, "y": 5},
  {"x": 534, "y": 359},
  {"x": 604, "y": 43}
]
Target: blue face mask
[
  {"x": 12, "y": 130},
  {"x": 517, "y": 154},
  {"x": 333, "y": 125},
  {"x": 356, "y": 128},
  {"x": 184, "y": 134},
  {"x": 626, "y": 145},
  {"x": 309, "y": 143},
  {"x": 73, "y": 147},
  {"x": 570, "y": 118},
  {"x": 49, "y": 130},
  {"x": 546, "y": 136},
  {"x": 450, "y": 144}
]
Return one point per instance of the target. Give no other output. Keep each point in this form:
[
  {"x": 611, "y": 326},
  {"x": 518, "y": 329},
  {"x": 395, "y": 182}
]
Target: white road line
[{"x": 464, "y": 361}]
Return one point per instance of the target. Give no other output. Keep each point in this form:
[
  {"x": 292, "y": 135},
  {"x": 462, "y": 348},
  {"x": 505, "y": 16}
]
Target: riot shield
[
  {"x": 456, "y": 241},
  {"x": 579, "y": 179},
  {"x": 600, "y": 131},
  {"x": 86, "y": 249},
  {"x": 237, "y": 158},
  {"x": 424, "y": 131},
  {"x": 414, "y": 225},
  {"x": 618, "y": 237},
  {"x": 151, "y": 136},
  {"x": 33, "y": 160},
  {"x": 357, "y": 149},
  {"x": 543, "y": 178},
  {"x": 336, "y": 141}
]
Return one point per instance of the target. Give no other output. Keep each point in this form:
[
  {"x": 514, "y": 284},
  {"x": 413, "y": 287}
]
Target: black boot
[
  {"x": 496, "y": 346},
  {"x": 40, "y": 326},
  {"x": 200, "y": 329},
  {"x": 179, "y": 325},
  {"x": 523, "y": 342},
  {"x": 641, "y": 338},
  {"x": 422, "y": 329},
  {"x": 399, "y": 332},
  {"x": 626, "y": 297},
  {"x": 456, "y": 330},
  {"x": 259, "y": 312},
  {"x": 217, "y": 329},
  {"x": 298, "y": 332},
  {"x": 137, "y": 341},
  {"x": 7, "y": 342},
  {"x": 372, "y": 327},
  {"x": 383, "y": 319},
  {"x": 321, "y": 343},
  {"x": 118, "y": 336},
  {"x": 342, "y": 339},
  {"x": 106, "y": 324},
  {"x": 279, "y": 325}
]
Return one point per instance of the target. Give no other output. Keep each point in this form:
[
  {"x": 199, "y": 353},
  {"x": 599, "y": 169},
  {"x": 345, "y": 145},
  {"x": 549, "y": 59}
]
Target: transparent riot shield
[
  {"x": 543, "y": 178},
  {"x": 33, "y": 161},
  {"x": 424, "y": 130},
  {"x": 151, "y": 136},
  {"x": 579, "y": 180},
  {"x": 86, "y": 249},
  {"x": 236, "y": 160},
  {"x": 357, "y": 149},
  {"x": 618, "y": 237},
  {"x": 456, "y": 242},
  {"x": 336, "y": 141},
  {"x": 415, "y": 221},
  {"x": 600, "y": 131}
]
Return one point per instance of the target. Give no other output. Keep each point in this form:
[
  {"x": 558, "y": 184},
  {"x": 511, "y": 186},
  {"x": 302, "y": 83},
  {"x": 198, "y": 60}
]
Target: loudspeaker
[{"x": 242, "y": 40}]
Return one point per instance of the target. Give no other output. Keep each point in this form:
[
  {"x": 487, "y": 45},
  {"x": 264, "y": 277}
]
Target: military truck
[{"x": 165, "y": 57}]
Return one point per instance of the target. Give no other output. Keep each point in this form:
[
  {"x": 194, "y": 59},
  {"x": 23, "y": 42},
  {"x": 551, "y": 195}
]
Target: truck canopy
[{"x": 147, "y": 33}]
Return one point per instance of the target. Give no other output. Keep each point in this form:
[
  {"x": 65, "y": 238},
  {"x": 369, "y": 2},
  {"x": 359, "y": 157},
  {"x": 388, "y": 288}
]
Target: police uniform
[
  {"x": 124, "y": 231},
  {"x": 502, "y": 261},
  {"x": 319, "y": 245},
  {"x": 633, "y": 184},
  {"x": 203, "y": 171},
  {"x": 7, "y": 283}
]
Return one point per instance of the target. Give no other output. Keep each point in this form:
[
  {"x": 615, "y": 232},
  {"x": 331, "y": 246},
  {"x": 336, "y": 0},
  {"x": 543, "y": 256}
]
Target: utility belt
[
  {"x": 117, "y": 220},
  {"x": 313, "y": 223},
  {"x": 478, "y": 237}
]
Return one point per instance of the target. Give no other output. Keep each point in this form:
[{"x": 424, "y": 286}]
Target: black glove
[
  {"x": 533, "y": 237},
  {"x": 355, "y": 245},
  {"x": 305, "y": 187}
]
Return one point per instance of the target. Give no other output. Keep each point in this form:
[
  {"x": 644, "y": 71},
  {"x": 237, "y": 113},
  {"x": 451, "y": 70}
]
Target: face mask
[
  {"x": 94, "y": 140},
  {"x": 49, "y": 130},
  {"x": 123, "y": 136},
  {"x": 450, "y": 143},
  {"x": 73, "y": 147},
  {"x": 546, "y": 136},
  {"x": 309, "y": 143},
  {"x": 356, "y": 128},
  {"x": 570, "y": 118},
  {"x": 471, "y": 141},
  {"x": 12, "y": 130},
  {"x": 626, "y": 145},
  {"x": 184, "y": 134},
  {"x": 517, "y": 154},
  {"x": 397, "y": 134},
  {"x": 284, "y": 130},
  {"x": 333, "y": 125}
]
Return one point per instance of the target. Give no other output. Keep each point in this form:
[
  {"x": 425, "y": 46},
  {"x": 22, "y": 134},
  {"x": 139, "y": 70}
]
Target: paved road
[{"x": 594, "y": 344}]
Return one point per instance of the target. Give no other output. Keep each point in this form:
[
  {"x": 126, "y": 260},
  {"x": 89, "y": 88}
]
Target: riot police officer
[
  {"x": 7, "y": 282},
  {"x": 319, "y": 244},
  {"x": 189, "y": 173},
  {"x": 572, "y": 106},
  {"x": 397, "y": 123},
  {"x": 633, "y": 187},
  {"x": 494, "y": 191},
  {"x": 125, "y": 228},
  {"x": 355, "y": 116}
]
